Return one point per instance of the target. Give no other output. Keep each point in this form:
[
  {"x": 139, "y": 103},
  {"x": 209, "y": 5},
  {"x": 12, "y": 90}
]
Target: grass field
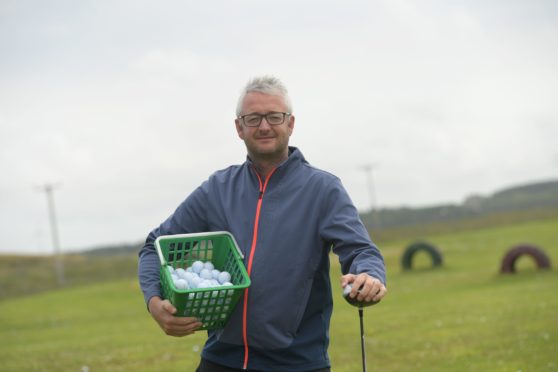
[{"x": 461, "y": 317}]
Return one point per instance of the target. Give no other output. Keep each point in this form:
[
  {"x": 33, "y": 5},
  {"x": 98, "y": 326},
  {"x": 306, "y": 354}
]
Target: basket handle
[
  {"x": 206, "y": 234},
  {"x": 235, "y": 243},
  {"x": 162, "y": 259}
]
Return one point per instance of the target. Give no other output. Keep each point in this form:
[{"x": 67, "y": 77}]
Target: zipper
[{"x": 250, "y": 260}]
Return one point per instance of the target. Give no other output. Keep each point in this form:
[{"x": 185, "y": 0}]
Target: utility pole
[
  {"x": 368, "y": 168},
  {"x": 58, "y": 259},
  {"x": 370, "y": 182}
]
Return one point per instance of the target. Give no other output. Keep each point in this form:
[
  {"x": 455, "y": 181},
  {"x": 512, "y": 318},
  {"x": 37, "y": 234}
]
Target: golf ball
[
  {"x": 194, "y": 281},
  {"x": 197, "y": 266},
  {"x": 180, "y": 272},
  {"x": 206, "y": 274},
  {"x": 206, "y": 284},
  {"x": 181, "y": 284},
  {"x": 188, "y": 274},
  {"x": 201, "y": 275},
  {"x": 224, "y": 277}
]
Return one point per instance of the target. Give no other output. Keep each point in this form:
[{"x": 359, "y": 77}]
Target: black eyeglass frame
[{"x": 261, "y": 116}]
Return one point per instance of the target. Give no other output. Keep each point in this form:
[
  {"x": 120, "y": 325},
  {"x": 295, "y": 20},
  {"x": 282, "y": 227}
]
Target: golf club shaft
[{"x": 360, "y": 315}]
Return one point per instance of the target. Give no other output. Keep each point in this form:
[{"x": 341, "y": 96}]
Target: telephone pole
[
  {"x": 370, "y": 182},
  {"x": 58, "y": 259},
  {"x": 374, "y": 213}
]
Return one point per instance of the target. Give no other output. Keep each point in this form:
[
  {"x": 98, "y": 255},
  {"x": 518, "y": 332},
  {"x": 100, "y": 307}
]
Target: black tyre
[{"x": 411, "y": 250}]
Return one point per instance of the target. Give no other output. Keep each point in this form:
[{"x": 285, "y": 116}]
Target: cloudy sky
[{"x": 127, "y": 106}]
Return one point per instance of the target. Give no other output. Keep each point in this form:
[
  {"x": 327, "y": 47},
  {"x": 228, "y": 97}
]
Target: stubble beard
[{"x": 275, "y": 155}]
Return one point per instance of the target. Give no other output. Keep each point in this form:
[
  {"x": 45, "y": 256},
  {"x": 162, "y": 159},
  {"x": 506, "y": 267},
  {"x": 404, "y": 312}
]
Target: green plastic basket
[{"x": 213, "y": 306}]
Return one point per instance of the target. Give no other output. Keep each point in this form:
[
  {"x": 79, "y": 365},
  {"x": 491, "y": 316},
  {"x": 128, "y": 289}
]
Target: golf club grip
[{"x": 354, "y": 301}]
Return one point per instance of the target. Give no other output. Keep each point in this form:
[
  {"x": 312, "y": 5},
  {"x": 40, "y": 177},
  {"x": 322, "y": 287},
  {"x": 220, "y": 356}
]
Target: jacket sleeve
[
  {"x": 190, "y": 216},
  {"x": 342, "y": 228}
]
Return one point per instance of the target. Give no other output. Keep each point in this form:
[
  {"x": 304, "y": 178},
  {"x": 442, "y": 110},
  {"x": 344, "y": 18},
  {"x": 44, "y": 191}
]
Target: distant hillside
[
  {"x": 534, "y": 196},
  {"x": 543, "y": 194},
  {"x": 532, "y": 200},
  {"x": 114, "y": 249}
]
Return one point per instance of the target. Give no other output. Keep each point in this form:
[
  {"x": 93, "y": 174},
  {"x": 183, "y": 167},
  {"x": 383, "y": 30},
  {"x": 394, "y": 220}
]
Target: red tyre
[{"x": 509, "y": 260}]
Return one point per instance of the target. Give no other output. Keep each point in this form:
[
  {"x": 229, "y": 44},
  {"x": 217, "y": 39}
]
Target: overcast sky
[{"x": 127, "y": 106}]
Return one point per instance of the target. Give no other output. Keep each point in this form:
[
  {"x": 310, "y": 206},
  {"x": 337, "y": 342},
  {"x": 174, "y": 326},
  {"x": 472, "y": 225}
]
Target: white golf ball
[
  {"x": 206, "y": 274},
  {"x": 215, "y": 274},
  {"x": 194, "y": 281},
  {"x": 204, "y": 284},
  {"x": 347, "y": 290},
  {"x": 224, "y": 277},
  {"x": 197, "y": 266},
  {"x": 208, "y": 265},
  {"x": 181, "y": 284},
  {"x": 188, "y": 274},
  {"x": 180, "y": 272}
]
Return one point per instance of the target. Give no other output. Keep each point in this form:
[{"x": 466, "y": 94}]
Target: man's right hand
[{"x": 163, "y": 313}]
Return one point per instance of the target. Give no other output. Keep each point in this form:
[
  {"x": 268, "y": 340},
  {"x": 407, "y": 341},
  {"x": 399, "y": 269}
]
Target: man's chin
[
  {"x": 263, "y": 152},
  {"x": 265, "y": 149}
]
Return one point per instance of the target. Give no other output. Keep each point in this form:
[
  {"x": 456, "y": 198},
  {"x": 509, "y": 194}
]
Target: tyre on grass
[
  {"x": 412, "y": 249},
  {"x": 513, "y": 254}
]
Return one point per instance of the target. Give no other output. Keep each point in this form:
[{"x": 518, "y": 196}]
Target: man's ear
[
  {"x": 239, "y": 130},
  {"x": 291, "y": 124}
]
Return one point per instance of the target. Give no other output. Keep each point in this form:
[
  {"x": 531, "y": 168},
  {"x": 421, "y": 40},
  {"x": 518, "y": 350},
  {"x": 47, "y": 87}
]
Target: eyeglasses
[{"x": 272, "y": 118}]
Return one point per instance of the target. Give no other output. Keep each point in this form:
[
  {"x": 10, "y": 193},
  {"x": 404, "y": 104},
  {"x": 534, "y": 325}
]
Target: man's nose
[{"x": 264, "y": 125}]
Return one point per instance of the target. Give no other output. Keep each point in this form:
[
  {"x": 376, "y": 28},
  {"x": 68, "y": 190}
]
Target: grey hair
[{"x": 268, "y": 85}]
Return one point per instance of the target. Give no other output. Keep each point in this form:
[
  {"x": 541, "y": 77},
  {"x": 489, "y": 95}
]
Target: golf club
[{"x": 361, "y": 305}]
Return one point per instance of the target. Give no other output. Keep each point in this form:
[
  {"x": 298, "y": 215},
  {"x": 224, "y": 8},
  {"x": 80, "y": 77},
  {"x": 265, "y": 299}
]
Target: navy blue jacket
[{"x": 304, "y": 213}]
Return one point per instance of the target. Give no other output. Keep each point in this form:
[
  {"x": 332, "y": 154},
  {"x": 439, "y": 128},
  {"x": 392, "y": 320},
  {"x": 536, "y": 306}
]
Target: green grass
[
  {"x": 24, "y": 275},
  {"x": 464, "y": 316}
]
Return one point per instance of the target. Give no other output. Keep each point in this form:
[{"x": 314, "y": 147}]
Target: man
[{"x": 286, "y": 217}]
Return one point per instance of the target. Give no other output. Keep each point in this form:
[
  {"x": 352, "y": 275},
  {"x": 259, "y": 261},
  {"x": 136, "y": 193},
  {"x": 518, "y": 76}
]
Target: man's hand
[
  {"x": 365, "y": 287},
  {"x": 163, "y": 313}
]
